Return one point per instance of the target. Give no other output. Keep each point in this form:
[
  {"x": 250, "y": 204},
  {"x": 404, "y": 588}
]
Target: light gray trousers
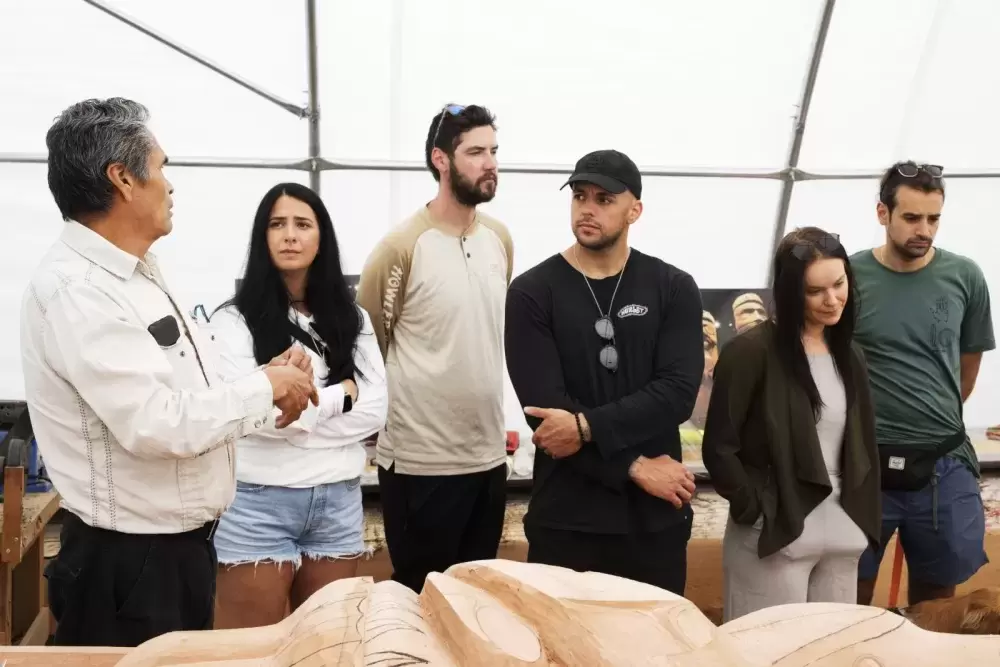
[{"x": 821, "y": 565}]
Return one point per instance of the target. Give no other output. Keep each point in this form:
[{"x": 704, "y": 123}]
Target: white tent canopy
[{"x": 746, "y": 117}]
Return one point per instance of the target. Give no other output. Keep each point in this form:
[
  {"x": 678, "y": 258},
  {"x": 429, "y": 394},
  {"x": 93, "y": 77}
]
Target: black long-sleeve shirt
[{"x": 553, "y": 350}]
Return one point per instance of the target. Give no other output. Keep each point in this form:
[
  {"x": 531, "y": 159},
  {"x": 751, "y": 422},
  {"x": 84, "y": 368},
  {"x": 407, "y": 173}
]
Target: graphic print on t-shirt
[
  {"x": 942, "y": 336},
  {"x": 632, "y": 310}
]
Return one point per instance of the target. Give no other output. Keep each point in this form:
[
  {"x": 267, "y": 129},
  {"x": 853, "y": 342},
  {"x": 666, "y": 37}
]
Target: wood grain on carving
[
  {"x": 512, "y": 614},
  {"x": 596, "y": 619},
  {"x": 844, "y": 635}
]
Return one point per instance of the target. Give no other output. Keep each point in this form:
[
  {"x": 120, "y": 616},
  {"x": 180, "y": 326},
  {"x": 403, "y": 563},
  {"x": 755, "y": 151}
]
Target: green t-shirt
[{"x": 913, "y": 328}]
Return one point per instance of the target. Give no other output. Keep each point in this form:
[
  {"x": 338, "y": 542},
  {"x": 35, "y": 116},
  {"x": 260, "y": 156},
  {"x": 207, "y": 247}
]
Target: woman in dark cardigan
[{"x": 790, "y": 439}]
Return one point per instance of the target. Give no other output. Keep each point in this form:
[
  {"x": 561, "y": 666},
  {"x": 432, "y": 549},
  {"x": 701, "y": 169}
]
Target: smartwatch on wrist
[{"x": 348, "y": 402}]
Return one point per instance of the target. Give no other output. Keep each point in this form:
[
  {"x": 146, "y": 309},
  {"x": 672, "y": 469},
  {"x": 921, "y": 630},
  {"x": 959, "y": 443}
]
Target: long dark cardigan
[{"x": 762, "y": 451}]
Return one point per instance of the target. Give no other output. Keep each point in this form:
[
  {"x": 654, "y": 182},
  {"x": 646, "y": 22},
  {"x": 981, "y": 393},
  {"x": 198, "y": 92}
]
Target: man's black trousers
[
  {"x": 116, "y": 589},
  {"x": 656, "y": 558},
  {"x": 435, "y": 521}
]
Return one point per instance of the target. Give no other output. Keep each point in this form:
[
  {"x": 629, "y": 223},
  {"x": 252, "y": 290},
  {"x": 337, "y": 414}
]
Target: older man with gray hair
[{"x": 135, "y": 427}]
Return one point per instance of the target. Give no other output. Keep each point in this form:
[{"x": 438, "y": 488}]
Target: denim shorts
[{"x": 281, "y": 524}]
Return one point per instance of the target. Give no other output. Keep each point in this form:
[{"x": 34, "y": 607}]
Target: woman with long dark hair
[
  {"x": 297, "y": 521},
  {"x": 790, "y": 438}
]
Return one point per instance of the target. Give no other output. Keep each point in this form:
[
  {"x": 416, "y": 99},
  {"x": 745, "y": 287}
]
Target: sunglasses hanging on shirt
[{"x": 608, "y": 356}]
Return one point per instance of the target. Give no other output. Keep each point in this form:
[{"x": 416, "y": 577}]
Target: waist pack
[{"x": 909, "y": 467}]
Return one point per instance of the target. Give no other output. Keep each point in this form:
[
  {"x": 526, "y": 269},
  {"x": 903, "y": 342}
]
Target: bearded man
[{"x": 435, "y": 289}]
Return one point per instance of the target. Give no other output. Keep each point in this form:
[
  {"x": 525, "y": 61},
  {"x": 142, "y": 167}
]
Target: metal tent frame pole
[
  {"x": 296, "y": 109},
  {"x": 322, "y": 164},
  {"x": 313, "y": 60},
  {"x": 799, "y": 130},
  {"x": 301, "y": 164}
]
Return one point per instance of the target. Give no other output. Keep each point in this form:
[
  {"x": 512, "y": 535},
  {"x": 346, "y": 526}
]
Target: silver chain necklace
[{"x": 579, "y": 267}]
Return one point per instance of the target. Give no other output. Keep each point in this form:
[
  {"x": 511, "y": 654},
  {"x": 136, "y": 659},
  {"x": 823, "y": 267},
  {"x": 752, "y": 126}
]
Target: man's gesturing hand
[
  {"x": 665, "y": 478},
  {"x": 558, "y": 434},
  {"x": 294, "y": 356},
  {"x": 293, "y": 390}
]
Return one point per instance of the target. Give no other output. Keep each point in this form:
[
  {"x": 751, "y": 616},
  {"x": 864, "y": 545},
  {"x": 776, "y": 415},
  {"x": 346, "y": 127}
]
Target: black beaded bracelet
[{"x": 579, "y": 427}]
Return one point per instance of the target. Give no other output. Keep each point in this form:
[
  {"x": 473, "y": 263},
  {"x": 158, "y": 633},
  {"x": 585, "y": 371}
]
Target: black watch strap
[{"x": 348, "y": 402}]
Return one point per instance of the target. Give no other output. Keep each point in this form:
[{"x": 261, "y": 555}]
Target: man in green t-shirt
[{"x": 924, "y": 322}]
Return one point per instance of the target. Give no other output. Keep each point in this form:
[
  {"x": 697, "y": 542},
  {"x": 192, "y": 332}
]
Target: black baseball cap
[{"x": 609, "y": 169}]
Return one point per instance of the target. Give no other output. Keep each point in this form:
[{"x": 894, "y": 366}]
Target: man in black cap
[{"x": 604, "y": 349}]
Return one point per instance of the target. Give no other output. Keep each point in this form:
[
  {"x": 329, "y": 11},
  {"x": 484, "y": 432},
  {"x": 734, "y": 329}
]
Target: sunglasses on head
[
  {"x": 828, "y": 242},
  {"x": 451, "y": 109},
  {"x": 910, "y": 170}
]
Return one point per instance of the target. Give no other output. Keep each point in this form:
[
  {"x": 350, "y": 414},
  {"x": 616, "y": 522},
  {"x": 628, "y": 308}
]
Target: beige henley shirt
[{"x": 437, "y": 304}]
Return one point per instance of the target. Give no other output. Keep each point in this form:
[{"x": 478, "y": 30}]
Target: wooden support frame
[{"x": 24, "y": 613}]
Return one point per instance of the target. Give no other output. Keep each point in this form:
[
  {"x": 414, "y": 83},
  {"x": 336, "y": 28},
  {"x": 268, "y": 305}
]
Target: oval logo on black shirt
[{"x": 631, "y": 310}]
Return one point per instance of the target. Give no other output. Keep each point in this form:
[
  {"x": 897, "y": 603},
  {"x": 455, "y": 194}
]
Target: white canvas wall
[{"x": 704, "y": 85}]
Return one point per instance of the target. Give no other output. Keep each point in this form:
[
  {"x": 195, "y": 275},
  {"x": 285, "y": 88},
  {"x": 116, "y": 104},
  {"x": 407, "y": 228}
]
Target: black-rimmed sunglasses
[
  {"x": 910, "y": 170},
  {"x": 608, "y": 355}
]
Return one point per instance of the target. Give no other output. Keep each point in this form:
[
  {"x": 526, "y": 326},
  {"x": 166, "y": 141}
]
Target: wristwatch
[{"x": 348, "y": 402}]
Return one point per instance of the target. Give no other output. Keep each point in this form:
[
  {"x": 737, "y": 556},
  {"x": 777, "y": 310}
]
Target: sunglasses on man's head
[
  {"x": 910, "y": 170},
  {"x": 451, "y": 109}
]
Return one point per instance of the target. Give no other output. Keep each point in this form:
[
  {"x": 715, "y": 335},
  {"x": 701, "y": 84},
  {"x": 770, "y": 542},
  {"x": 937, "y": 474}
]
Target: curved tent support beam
[
  {"x": 799, "y": 130},
  {"x": 296, "y": 109}
]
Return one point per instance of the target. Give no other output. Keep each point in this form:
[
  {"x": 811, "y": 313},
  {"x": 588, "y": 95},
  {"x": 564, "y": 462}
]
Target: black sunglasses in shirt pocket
[{"x": 165, "y": 331}]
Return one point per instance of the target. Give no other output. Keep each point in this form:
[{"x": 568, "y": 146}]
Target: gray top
[{"x": 833, "y": 412}]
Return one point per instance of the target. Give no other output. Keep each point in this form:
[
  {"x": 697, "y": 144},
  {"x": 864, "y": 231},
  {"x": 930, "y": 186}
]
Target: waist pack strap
[
  {"x": 934, "y": 501},
  {"x": 951, "y": 443},
  {"x": 948, "y": 445}
]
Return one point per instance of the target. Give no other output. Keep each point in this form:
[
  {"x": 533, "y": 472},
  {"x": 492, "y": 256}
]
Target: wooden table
[
  {"x": 34, "y": 656},
  {"x": 24, "y": 614}
]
